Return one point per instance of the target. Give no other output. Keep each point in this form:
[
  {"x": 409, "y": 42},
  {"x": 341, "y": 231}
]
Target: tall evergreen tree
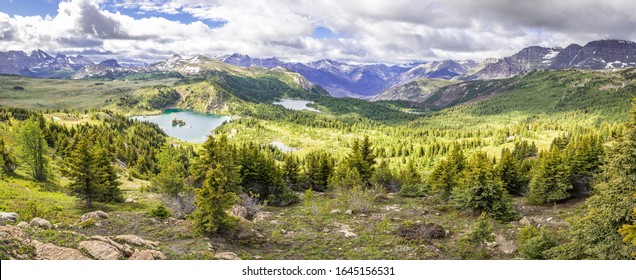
[
  {"x": 213, "y": 202},
  {"x": 32, "y": 148},
  {"x": 479, "y": 189},
  {"x": 106, "y": 175},
  {"x": 508, "y": 169},
  {"x": 80, "y": 169},
  {"x": 551, "y": 179},
  {"x": 445, "y": 176}
]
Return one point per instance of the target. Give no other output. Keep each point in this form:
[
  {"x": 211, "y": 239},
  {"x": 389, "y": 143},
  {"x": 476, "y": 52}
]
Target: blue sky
[{"x": 365, "y": 31}]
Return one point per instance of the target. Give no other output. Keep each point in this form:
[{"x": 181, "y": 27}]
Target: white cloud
[{"x": 368, "y": 30}]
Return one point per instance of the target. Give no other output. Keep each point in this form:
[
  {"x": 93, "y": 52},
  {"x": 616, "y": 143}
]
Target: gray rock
[
  {"x": 23, "y": 224},
  {"x": 8, "y": 217},
  {"x": 525, "y": 221},
  {"x": 125, "y": 249},
  {"x": 136, "y": 240},
  {"x": 40, "y": 223},
  {"x": 93, "y": 215},
  {"x": 147, "y": 255},
  {"x": 335, "y": 211},
  {"x": 349, "y": 212},
  {"x": 226, "y": 256},
  {"x": 238, "y": 211},
  {"x": 130, "y": 200},
  {"x": 101, "y": 250},
  {"x": 262, "y": 215},
  {"x": 48, "y": 251}
]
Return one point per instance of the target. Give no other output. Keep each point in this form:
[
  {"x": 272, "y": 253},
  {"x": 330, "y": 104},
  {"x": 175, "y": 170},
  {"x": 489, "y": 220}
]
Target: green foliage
[
  {"x": 32, "y": 148},
  {"x": 482, "y": 231},
  {"x": 551, "y": 180},
  {"x": 538, "y": 246},
  {"x": 629, "y": 233},
  {"x": 345, "y": 178},
  {"x": 213, "y": 202},
  {"x": 411, "y": 181},
  {"x": 291, "y": 172},
  {"x": 170, "y": 182},
  {"x": 444, "y": 178},
  {"x": 362, "y": 159},
  {"x": 92, "y": 176},
  {"x": 318, "y": 168},
  {"x": 508, "y": 170},
  {"x": 384, "y": 177},
  {"x": 160, "y": 212},
  {"x": 479, "y": 189},
  {"x": 8, "y": 162},
  {"x": 595, "y": 234}
]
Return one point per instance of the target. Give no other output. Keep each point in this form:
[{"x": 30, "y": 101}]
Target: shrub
[
  {"x": 160, "y": 212},
  {"x": 537, "y": 247}
]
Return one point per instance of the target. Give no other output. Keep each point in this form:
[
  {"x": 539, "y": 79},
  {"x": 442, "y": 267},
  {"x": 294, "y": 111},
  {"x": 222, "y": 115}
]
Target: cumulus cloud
[{"x": 365, "y": 30}]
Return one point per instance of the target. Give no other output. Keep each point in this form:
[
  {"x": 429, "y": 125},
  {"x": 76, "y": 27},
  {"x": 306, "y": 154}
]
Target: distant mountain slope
[
  {"x": 417, "y": 91},
  {"x": 595, "y": 55},
  {"x": 39, "y": 64},
  {"x": 570, "y": 89}
]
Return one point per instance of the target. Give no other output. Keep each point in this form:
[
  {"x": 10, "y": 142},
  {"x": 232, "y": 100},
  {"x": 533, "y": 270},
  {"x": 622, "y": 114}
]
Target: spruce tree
[
  {"x": 445, "y": 176},
  {"x": 508, "y": 169},
  {"x": 80, "y": 169},
  {"x": 106, "y": 176},
  {"x": 479, "y": 189},
  {"x": 213, "y": 202},
  {"x": 32, "y": 148},
  {"x": 551, "y": 179}
]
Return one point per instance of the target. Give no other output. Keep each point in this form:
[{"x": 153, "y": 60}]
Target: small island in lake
[{"x": 178, "y": 122}]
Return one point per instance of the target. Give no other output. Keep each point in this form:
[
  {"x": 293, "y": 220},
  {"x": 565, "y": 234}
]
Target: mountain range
[{"x": 367, "y": 81}]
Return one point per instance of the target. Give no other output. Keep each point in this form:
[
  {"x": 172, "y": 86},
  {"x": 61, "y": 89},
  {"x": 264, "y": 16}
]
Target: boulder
[
  {"x": 525, "y": 221},
  {"x": 93, "y": 215},
  {"x": 48, "y": 251},
  {"x": 101, "y": 250},
  {"x": 238, "y": 211},
  {"x": 23, "y": 224},
  {"x": 335, "y": 211},
  {"x": 125, "y": 249},
  {"x": 11, "y": 232},
  {"x": 226, "y": 256},
  {"x": 136, "y": 240},
  {"x": 40, "y": 223},
  {"x": 8, "y": 217},
  {"x": 262, "y": 215},
  {"x": 349, "y": 212},
  {"x": 130, "y": 200},
  {"x": 147, "y": 255}
]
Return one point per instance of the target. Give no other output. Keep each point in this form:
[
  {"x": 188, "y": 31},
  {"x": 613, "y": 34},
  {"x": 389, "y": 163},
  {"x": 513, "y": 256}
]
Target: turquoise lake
[
  {"x": 295, "y": 104},
  {"x": 198, "y": 125}
]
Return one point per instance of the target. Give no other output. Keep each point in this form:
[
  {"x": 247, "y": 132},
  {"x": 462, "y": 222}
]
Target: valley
[{"x": 487, "y": 169}]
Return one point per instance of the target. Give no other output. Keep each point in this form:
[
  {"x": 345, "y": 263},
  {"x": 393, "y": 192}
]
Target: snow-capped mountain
[
  {"x": 40, "y": 64},
  {"x": 595, "y": 55}
]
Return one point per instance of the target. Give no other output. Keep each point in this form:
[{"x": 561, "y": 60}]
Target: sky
[{"x": 357, "y": 31}]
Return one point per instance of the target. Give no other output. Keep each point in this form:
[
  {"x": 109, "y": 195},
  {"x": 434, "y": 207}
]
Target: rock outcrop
[{"x": 40, "y": 223}]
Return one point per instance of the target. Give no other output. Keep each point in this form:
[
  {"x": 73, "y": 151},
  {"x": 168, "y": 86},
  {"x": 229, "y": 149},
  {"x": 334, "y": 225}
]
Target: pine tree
[
  {"x": 629, "y": 232},
  {"x": 479, "y": 189},
  {"x": 508, "y": 170},
  {"x": 106, "y": 176},
  {"x": 412, "y": 184},
  {"x": 445, "y": 176},
  {"x": 291, "y": 172},
  {"x": 213, "y": 202},
  {"x": 32, "y": 148},
  {"x": 80, "y": 169},
  {"x": 551, "y": 179}
]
